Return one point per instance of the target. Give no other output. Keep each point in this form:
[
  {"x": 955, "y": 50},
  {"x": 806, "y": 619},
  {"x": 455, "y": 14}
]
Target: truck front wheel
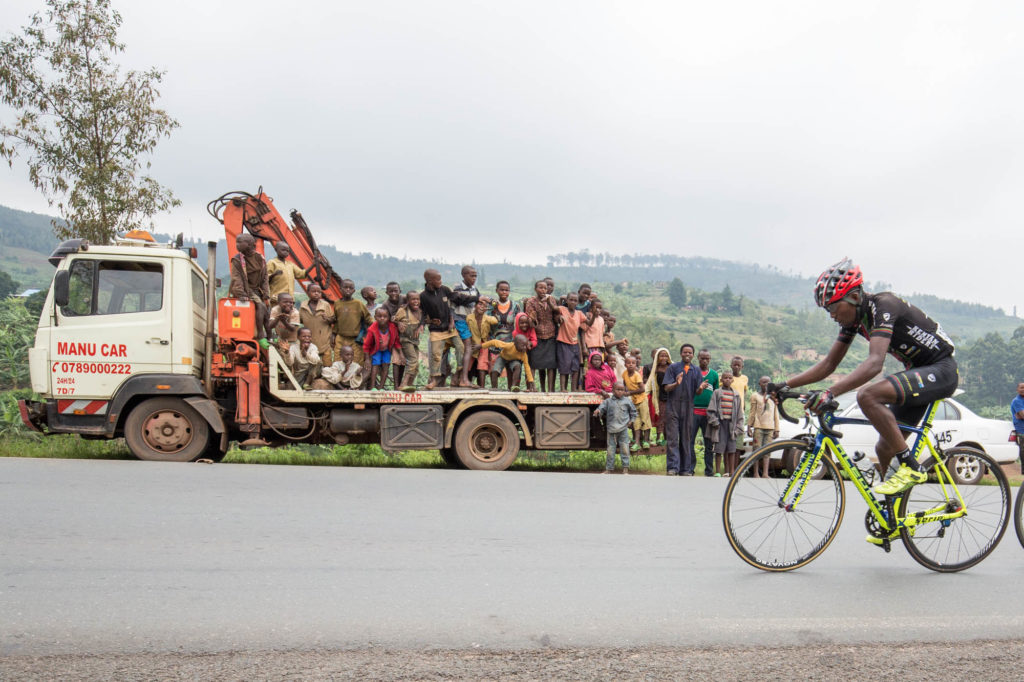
[
  {"x": 487, "y": 440},
  {"x": 166, "y": 430}
]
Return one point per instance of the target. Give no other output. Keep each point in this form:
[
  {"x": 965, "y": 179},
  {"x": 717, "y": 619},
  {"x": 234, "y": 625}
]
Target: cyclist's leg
[
  {"x": 874, "y": 401},
  {"x": 911, "y": 392}
]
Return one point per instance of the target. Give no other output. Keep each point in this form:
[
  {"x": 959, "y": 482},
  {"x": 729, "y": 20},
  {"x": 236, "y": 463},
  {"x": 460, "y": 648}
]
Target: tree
[
  {"x": 7, "y": 285},
  {"x": 727, "y": 297},
  {"x": 676, "y": 292},
  {"x": 82, "y": 127}
]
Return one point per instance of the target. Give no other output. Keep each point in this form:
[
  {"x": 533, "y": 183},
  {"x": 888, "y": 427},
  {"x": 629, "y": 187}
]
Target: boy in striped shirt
[{"x": 725, "y": 422}]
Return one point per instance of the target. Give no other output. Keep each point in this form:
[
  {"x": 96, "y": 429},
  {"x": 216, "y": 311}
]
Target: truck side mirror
[{"x": 61, "y": 288}]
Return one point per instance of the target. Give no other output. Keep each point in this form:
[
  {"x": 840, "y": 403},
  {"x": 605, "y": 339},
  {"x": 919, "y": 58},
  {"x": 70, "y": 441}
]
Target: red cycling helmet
[{"x": 836, "y": 282}]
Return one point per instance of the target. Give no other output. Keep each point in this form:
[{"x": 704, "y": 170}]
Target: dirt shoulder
[{"x": 989, "y": 660}]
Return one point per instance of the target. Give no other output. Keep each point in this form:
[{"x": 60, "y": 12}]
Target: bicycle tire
[
  {"x": 768, "y": 536},
  {"x": 1018, "y": 515},
  {"x": 960, "y": 543}
]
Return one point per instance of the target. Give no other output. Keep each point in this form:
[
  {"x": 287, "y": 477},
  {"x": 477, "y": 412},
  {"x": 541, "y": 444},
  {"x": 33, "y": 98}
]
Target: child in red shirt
[{"x": 380, "y": 342}]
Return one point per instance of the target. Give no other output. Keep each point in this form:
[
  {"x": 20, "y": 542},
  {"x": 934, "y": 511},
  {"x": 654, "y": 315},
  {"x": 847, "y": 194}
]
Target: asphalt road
[{"x": 124, "y": 557}]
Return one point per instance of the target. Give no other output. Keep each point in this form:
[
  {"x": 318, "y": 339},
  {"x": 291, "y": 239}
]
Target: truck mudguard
[
  {"x": 152, "y": 386},
  {"x": 507, "y": 407}
]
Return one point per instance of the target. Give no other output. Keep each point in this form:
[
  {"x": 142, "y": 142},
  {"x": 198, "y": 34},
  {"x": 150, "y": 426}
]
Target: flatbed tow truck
[{"x": 133, "y": 343}]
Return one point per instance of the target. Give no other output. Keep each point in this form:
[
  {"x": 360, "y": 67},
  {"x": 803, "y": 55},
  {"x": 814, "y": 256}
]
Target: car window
[{"x": 948, "y": 412}]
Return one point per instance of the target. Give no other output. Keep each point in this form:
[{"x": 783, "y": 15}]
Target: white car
[{"x": 954, "y": 425}]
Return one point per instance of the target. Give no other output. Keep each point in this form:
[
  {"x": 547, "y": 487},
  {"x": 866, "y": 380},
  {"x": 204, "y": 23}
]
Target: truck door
[{"x": 117, "y": 323}]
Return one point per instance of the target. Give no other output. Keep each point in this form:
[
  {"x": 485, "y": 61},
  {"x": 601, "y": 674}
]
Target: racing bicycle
[{"x": 780, "y": 524}]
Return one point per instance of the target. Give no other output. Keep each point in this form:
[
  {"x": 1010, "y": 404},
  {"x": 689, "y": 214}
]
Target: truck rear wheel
[
  {"x": 487, "y": 441},
  {"x": 166, "y": 430}
]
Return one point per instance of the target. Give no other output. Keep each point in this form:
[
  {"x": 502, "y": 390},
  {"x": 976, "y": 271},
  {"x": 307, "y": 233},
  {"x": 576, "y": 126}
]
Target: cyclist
[{"x": 891, "y": 325}]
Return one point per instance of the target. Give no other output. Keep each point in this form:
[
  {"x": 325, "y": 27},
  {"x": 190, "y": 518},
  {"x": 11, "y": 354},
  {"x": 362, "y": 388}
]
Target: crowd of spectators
[{"x": 475, "y": 340}]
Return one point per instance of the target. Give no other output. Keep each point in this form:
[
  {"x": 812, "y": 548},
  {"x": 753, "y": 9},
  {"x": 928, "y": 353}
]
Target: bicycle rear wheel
[
  {"x": 774, "y": 531},
  {"x": 1018, "y": 515},
  {"x": 955, "y": 544}
]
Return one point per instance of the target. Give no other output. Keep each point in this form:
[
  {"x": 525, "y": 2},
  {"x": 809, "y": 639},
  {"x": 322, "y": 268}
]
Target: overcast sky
[{"x": 783, "y": 133}]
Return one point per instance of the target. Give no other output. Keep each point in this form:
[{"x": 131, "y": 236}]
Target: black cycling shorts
[{"x": 919, "y": 387}]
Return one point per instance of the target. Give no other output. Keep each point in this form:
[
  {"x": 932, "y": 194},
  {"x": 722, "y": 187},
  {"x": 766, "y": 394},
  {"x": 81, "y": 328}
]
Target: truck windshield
[{"x": 114, "y": 287}]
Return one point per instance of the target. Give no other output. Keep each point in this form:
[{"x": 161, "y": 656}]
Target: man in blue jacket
[
  {"x": 682, "y": 382},
  {"x": 1017, "y": 412}
]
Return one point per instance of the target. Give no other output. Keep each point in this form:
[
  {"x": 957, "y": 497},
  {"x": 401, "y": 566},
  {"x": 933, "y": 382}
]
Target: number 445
[{"x": 944, "y": 436}]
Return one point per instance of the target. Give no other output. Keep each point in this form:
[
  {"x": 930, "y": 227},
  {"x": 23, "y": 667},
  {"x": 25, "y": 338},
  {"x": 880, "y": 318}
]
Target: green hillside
[{"x": 759, "y": 313}]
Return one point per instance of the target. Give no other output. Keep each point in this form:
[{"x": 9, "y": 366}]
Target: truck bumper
[{"x": 33, "y": 414}]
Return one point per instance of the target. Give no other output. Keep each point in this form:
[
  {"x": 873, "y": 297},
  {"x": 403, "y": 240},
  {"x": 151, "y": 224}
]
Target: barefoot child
[
  {"x": 480, "y": 326},
  {"x": 381, "y": 341},
  {"x": 318, "y": 315},
  {"x": 464, "y": 298},
  {"x": 505, "y": 310},
  {"x": 249, "y": 282},
  {"x": 350, "y": 316},
  {"x": 567, "y": 343},
  {"x": 726, "y": 424},
  {"x": 763, "y": 423},
  {"x": 514, "y": 359},
  {"x": 435, "y": 301},
  {"x": 409, "y": 321},
  {"x": 618, "y": 412},
  {"x": 542, "y": 309}
]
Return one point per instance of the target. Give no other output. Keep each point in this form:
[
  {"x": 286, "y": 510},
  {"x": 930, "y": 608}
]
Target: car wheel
[
  {"x": 791, "y": 459},
  {"x": 965, "y": 470}
]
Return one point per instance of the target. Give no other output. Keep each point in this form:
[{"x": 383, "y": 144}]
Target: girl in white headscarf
[{"x": 655, "y": 391}]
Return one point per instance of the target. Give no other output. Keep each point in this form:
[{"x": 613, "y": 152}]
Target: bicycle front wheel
[
  {"x": 950, "y": 545},
  {"x": 778, "y": 524}
]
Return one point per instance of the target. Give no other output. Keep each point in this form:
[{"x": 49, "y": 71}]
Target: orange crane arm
[{"x": 239, "y": 211}]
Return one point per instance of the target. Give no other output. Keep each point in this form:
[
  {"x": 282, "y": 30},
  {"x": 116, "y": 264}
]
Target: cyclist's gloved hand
[
  {"x": 775, "y": 389},
  {"x": 816, "y": 400}
]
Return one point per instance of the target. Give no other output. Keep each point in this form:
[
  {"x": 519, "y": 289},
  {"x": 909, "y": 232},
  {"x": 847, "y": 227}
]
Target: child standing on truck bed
[
  {"x": 480, "y": 326},
  {"x": 349, "y": 317},
  {"x": 318, "y": 316},
  {"x": 618, "y": 413},
  {"x": 282, "y": 273},
  {"x": 567, "y": 343},
  {"x": 437, "y": 312},
  {"x": 369, "y": 295},
  {"x": 249, "y": 282},
  {"x": 381, "y": 341},
  {"x": 464, "y": 297},
  {"x": 409, "y": 320},
  {"x": 542, "y": 309}
]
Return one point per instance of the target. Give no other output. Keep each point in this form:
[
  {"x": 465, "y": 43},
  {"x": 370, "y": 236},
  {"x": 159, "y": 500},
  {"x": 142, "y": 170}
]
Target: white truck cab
[{"x": 119, "y": 319}]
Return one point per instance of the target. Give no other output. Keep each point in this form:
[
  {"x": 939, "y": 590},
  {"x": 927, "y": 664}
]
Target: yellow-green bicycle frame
[{"x": 889, "y": 522}]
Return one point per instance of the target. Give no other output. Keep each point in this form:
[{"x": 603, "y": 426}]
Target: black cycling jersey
[{"x": 915, "y": 339}]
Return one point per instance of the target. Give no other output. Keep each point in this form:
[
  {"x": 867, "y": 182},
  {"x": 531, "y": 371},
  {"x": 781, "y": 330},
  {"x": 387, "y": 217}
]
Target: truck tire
[
  {"x": 166, "y": 430},
  {"x": 487, "y": 441}
]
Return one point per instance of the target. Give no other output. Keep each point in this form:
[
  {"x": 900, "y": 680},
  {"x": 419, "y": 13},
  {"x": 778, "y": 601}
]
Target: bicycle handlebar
[{"x": 828, "y": 408}]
